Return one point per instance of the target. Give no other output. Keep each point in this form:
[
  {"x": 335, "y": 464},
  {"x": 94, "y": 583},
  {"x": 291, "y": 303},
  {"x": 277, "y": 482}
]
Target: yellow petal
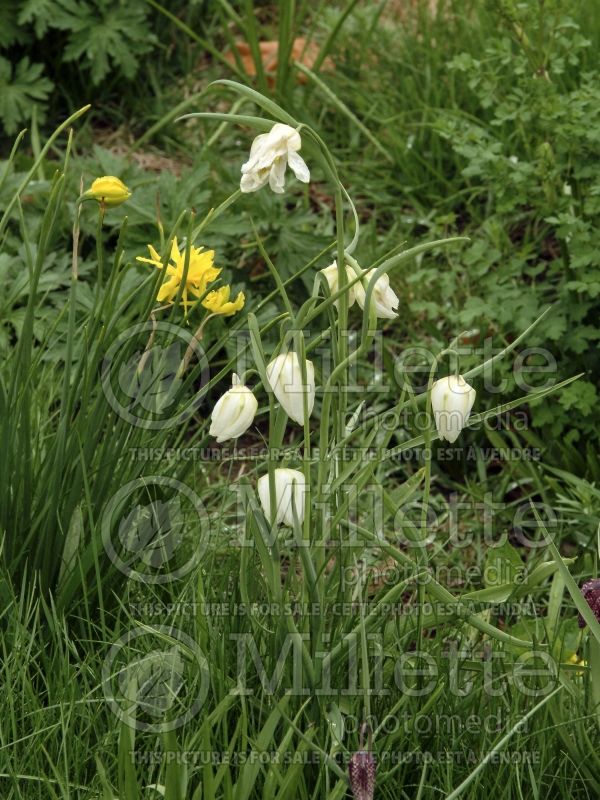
[
  {"x": 149, "y": 261},
  {"x": 109, "y": 191},
  {"x": 238, "y": 303},
  {"x": 156, "y": 260},
  {"x": 175, "y": 255},
  {"x": 155, "y": 255},
  {"x": 168, "y": 290},
  {"x": 218, "y": 301}
]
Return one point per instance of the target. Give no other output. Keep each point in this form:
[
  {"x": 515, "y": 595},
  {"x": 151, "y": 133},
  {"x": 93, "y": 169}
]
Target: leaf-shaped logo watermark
[
  {"x": 152, "y": 378},
  {"x": 144, "y": 378},
  {"x": 151, "y": 683},
  {"x": 152, "y": 533},
  {"x": 155, "y": 529},
  {"x": 155, "y": 678}
]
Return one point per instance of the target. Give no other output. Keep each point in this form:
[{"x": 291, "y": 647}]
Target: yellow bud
[{"x": 108, "y": 190}]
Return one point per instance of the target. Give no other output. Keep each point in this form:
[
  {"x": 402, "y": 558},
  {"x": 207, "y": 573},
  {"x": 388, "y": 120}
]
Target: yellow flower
[
  {"x": 578, "y": 662},
  {"x": 218, "y": 301},
  {"x": 109, "y": 191},
  {"x": 201, "y": 272}
]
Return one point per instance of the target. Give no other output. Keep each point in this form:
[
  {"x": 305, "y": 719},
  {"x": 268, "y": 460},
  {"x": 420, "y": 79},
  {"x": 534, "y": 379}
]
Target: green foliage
[
  {"x": 111, "y": 36},
  {"x": 535, "y": 150},
  {"x": 491, "y": 116},
  {"x": 10, "y": 29},
  {"x": 21, "y": 87},
  {"x": 106, "y": 39}
]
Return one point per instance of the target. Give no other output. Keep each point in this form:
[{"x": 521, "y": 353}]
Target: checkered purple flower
[
  {"x": 591, "y": 592},
  {"x": 361, "y": 770}
]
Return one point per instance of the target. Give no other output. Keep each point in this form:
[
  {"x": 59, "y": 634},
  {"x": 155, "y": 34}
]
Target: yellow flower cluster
[
  {"x": 110, "y": 191},
  {"x": 201, "y": 271}
]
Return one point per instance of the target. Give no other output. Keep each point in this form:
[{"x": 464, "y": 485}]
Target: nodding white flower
[
  {"x": 289, "y": 483},
  {"x": 384, "y": 299},
  {"x": 270, "y": 154},
  {"x": 234, "y": 412},
  {"x": 332, "y": 276},
  {"x": 285, "y": 379},
  {"x": 451, "y": 401}
]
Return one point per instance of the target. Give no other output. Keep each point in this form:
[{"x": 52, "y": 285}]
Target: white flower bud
[
  {"x": 289, "y": 483},
  {"x": 270, "y": 154},
  {"x": 384, "y": 299},
  {"x": 451, "y": 401},
  {"x": 234, "y": 412},
  {"x": 285, "y": 379},
  {"x": 331, "y": 276}
]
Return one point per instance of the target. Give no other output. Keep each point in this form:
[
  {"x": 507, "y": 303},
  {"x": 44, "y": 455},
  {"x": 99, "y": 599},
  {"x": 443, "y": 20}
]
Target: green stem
[{"x": 594, "y": 645}]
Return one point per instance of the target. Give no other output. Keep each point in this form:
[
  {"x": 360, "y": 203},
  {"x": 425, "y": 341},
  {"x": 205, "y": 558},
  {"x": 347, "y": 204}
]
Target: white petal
[
  {"x": 283, "y": 138},
  {"x": 216, "y": 423},
  {"x": 274, "y": 369},
  {"x": 252, "y": 181},
  {"x": 295, "y": 488},
  {"x": 298, "y": 167},
  {"x": 360, "y": 294},
  {"x": 384, "y": 300},
  {"x": 264, "y": 494},
  {"x": 247, "y": 406},
  {"x": 297, "y": 391},
  {"x": 286, "y": 481},
  {"x": 285, "y": 379},
  {"x": 233, "y": 413},
  {"x": 257, "y": 150},
  {"x": 450, "y": 422},
  {"x": 277, "y": 175},
  {"x": 293, "y": 140},
  {"x": 452, "y": 399},
  {"x": 331, "y": 275}
]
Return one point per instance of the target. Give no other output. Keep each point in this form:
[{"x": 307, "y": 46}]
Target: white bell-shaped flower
[
  {"x": 332, "y": 277},
  {"x": 384, "y": 299},
  {"x": 270, "y": 155},
  {"x": 289, "y": 483},
  {"x": 234, "y": 412},
  {"x": 285, "y": 379},
  {"x": 452, "y": 399}
]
